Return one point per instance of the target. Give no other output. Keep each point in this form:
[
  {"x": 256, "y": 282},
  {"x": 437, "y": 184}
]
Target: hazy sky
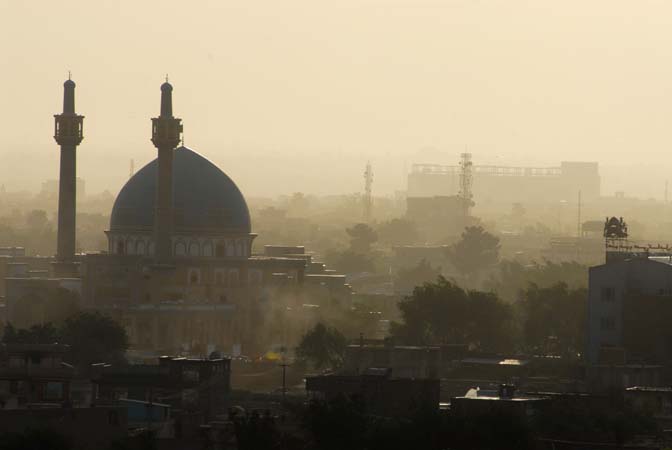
[{"x": 289, "y": 95}]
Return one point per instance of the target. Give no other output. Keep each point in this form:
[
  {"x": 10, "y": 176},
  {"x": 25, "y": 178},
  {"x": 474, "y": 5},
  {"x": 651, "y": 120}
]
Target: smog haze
[{"x": 277, "y": 93}]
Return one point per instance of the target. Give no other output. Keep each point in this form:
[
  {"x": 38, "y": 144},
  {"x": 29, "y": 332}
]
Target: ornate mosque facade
[{"x": 179, "y": 272}]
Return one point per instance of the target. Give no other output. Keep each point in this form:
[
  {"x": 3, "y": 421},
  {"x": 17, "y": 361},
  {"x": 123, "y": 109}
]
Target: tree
[
  {"x": 322, "y": 347},
  {"x": 37, "y": 220},
  {"x": 362, "y": 237},
  {"x": 554, "y": 319},
  {"x": 512, "y": 278},
  {"x": 409, "y": 278},
  {"x": 54, "y": 306},
  {"x": 398, "y": 232},
  {"x": 443, "y": 313},
  {"x": 93, "y": 338},
  {"x": 476, "y": 251},
  {"x": 37, "y": 334},
  {"x": 349, "y": 261},
  {"x": 35, "y": 438}
]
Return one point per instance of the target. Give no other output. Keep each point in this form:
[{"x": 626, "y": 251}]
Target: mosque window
[
  {"x": 230, "y": 248},
  {"x": 207, "y": 249},
  {"x": 221, "y": 278},
  {"x": 140, "y": 248},
  {"x": 120, "y": 248},
  {"x": 241, "y": 251},
  {"x": 194, "y": 277},
  {"x": 233, "y": 278},
  {"x": 220, "y": 250},
  {"x": 130, "y": 248},
  {"x": 180, "y": 249},
  {"x": 193, "y": 249}
]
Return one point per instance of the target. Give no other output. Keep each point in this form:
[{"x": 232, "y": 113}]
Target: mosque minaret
[
  {"x": 166, "y": 131},
  {"x": 68, "y": 133}
]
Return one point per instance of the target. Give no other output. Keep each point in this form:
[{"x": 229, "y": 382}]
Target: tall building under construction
[{"x": 501, "y": 184}]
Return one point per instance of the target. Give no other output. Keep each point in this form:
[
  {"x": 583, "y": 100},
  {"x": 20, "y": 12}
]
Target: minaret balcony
[
  {"x": 166, "y": 132},
  {"x": 68, "y": 129}
]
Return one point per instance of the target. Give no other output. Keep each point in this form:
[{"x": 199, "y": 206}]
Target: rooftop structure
[{"x": 504, "y": 184}]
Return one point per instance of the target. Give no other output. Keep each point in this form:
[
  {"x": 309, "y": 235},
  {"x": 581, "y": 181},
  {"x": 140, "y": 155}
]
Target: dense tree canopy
[
  {"x": 348, "y": 261},
  {"x": 92, "y": 337},
  {"x": 408, "y": 278},
  {"x": 511, "y": 277},
  {"x": 397, "y": 232},
  {"x": 362, "y": 237},
  {"x": 442, "y": 312},
  {"x": 554, "y": 319},
  {"x": 322, "y": 347},
  {"x": 475, "y": 252}
]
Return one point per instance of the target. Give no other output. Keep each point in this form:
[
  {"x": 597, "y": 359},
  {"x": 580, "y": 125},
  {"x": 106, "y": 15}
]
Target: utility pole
[
  {"x": 578, "y": 224},
  {"x": 284, "y": 366},
  {"x": 666, "y": 192}
]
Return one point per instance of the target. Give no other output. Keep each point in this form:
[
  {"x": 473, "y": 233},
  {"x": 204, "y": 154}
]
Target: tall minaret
[
  {"x": 68, "y": 133},
  {"x": 166, "y": 131}
]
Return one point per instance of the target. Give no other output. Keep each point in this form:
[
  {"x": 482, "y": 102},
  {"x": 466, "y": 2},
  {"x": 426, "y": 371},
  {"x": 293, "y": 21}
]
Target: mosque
[{"x": 179, "y": 272}]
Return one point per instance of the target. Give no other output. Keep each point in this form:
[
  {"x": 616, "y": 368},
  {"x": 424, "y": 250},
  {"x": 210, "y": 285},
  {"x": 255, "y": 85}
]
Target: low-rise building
[
  {"x": 191, "y": 385},
  {"x": 505, "y": 400},
  {"x": 380, "y": 393}
]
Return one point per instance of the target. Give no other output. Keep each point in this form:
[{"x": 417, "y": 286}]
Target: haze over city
[
  {"x": 309, "y": 86},
  {"x": 361, "y": 225}
]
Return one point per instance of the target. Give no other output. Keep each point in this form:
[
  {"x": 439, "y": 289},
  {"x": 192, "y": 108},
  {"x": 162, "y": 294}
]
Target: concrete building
[
  {"x": 380, "y": 393},
  {"x": 35, "y": 374},
  {"x": 477, "y": 402},
  {"x": 622, "y": 294},
  {"x": 186, "y": 384},
  {"x": 501, "y": 184}
]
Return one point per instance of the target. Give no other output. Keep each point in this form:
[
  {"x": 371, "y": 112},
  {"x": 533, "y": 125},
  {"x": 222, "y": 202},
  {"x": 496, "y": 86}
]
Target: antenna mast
[
  {"x": 368, "y": 200},
  {"x": 466, "y": 182}
]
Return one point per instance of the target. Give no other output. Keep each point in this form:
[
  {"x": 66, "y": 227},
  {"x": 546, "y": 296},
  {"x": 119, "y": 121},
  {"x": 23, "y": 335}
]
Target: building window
[
  {"x": 233, "y": 278},
  {"x": 193, "y": 249},
  {"x": 180, "y": 249},
  {"x": 608, "y": 294},
  {"x": 220, "y": 277},
  {"x": 207, "y": 249},
  {"x": 120, "y": 248},
  {"x": 255, "y": 277},
  {"x": 194, "y": 277},
  {"x": 607, "y": 324},
  {"x": 113, "y": 418},
  {"x": 220, "y": 250},
  {"x": 140, "y": 248}
]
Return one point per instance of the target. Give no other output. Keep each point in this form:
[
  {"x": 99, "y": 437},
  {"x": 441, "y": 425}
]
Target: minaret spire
[
  {"x": 68, "y": 133},
  {"x": 166, "y": 131},
  {"x": 166, "y": 99}
]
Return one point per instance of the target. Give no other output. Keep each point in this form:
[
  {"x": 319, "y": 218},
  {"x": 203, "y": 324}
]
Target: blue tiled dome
[{"x": 205, "y": 199}]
